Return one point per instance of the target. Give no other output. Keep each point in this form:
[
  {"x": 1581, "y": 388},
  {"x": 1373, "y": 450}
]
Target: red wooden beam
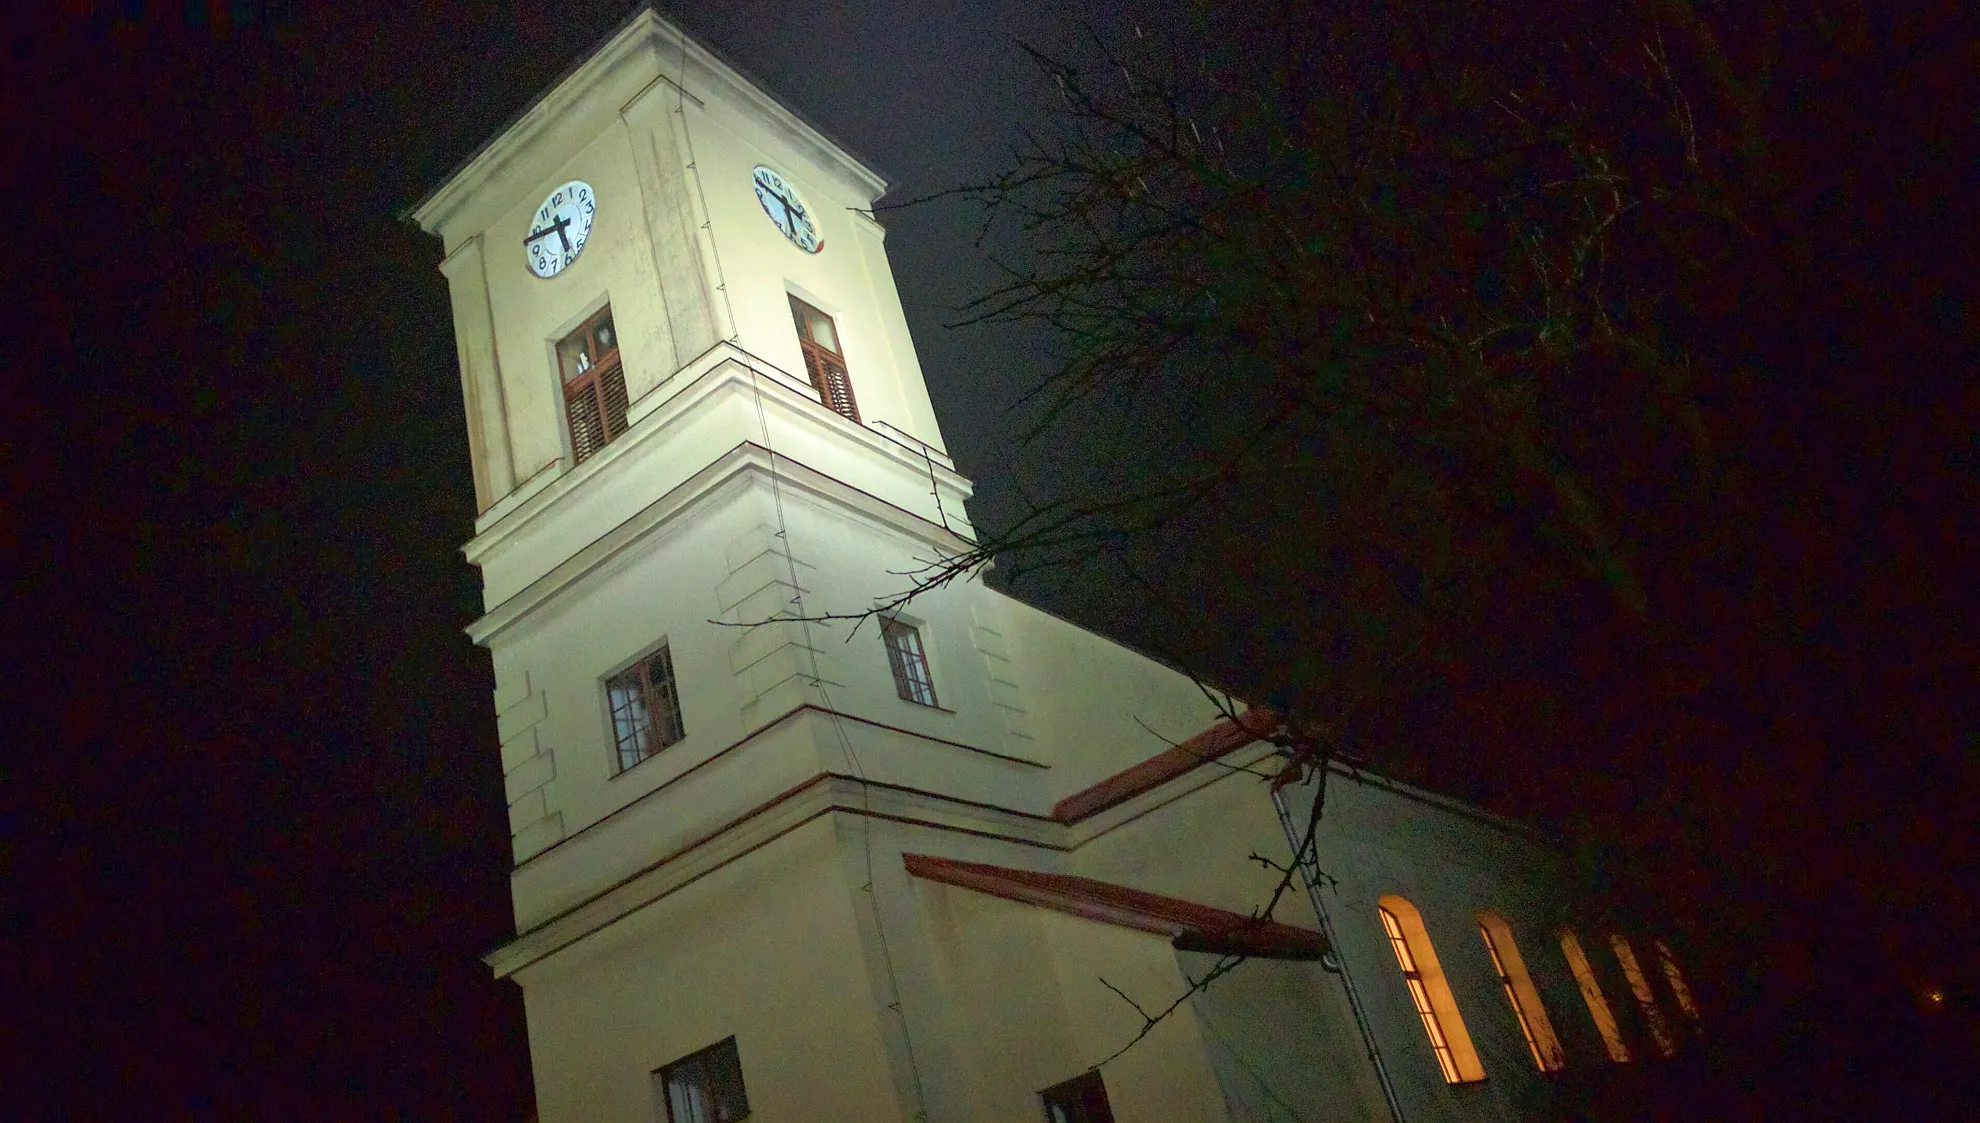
[
  {"x": 1189, "y": 926},
  {"x": 1224, "y": 737}
]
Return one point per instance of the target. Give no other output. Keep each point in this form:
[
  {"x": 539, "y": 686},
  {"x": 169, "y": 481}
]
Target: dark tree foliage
[
  {"x": 1419, "y": 296},
  {"x": 1553, "y": 406}
]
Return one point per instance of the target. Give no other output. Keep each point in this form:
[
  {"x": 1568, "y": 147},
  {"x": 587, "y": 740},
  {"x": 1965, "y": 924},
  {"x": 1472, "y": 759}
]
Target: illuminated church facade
[{"x": 778, "y": 867}]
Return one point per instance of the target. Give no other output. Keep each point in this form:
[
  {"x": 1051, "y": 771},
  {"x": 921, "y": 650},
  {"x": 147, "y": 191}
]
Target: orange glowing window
[
  {"x": 1676, "y": 978},
  {"x": 1430, "y": 993},
  {"x": 1520, "y": 993},
  {"x": 1591, "y": 993},
  {"x": 1640, "y": 987}
]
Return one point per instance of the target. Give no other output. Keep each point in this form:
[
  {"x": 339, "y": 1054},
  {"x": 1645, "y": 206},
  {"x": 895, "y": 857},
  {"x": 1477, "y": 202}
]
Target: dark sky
[{"x": 255, "y": 800}]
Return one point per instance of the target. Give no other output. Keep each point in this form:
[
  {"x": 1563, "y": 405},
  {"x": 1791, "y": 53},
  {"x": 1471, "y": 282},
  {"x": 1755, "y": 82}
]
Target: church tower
[
  {"x": 695, "y": 416},
  {"x": 770, "y": 865}
]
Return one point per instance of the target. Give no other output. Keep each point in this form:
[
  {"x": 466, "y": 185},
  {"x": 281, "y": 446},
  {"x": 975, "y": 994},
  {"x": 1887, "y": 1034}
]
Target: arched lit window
[
  {"x": 1527, "y": 1008},
  {"x": 1639, "y": 986},
  {"x": 1591, "y": 993},
  {"x": 1676, "y": 979},
  {"x": 1429, "y": 991}
]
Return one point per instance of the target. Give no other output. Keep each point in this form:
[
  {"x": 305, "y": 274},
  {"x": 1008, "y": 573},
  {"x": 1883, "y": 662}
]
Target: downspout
[{"x": 1309, "y": 873}]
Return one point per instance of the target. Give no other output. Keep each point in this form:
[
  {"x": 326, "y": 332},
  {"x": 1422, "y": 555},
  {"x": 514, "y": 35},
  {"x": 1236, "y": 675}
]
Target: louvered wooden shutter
[
  {"x": 596, "y": 405},
  {"x": 828, "y": 377},
  {"x": 818, "y": 338}
]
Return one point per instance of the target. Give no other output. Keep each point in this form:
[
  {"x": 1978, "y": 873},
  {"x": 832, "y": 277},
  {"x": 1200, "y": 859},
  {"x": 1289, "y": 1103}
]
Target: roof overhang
[
  {"x": 1221, "y": 739},
  {"x": 1189, "y": 926}
]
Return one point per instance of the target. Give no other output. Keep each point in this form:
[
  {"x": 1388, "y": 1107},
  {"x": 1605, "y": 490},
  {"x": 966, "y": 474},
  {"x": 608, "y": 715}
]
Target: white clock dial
[
  {"x": 558, "y": 229},
  {"x": 781, "y": 202}
]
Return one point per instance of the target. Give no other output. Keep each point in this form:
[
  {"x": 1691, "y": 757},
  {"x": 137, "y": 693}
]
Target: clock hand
[
  {"x": 556, "y": 228},
  {"x": 784, "y": 222}
]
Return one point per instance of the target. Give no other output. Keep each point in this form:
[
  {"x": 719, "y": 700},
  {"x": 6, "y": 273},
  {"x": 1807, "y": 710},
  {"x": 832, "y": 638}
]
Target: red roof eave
[
  {"x": 1222, "y": 738},
  {"x": 1189, "y": 926}
]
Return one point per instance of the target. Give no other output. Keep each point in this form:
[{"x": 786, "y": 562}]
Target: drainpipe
[{"x": 1309, "y": 869}]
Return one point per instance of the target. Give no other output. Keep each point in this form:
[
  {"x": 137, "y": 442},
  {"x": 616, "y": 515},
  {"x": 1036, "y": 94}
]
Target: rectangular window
[
  {"x": 594, "y": 385},
  {"x": 824, "y": 362},
  {"x": 1083, "y": 1099},
  {"x": 705, "y": 1087},
  {"x": 646, "y": 708},
  {"x": 910, "y": 663}
]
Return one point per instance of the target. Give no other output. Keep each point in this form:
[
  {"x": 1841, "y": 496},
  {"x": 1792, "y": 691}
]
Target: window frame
[
  {"x": 1680, "y": 990},
  {"x": 825, "y": 367},
  {"x": 1599, "y": 1010},
  {"x": 903, "y": 658},
  {"x": 1083, "y": 1099},
  {"x": 1646, "y": 1000},
  {"x": 603, "y": 372},
  {"x": 657, "y": 698},
  {"x": 722, "y": 1053},
  {"x": 1429, "y": 991},
  {"x": 1524, "y": 998}
]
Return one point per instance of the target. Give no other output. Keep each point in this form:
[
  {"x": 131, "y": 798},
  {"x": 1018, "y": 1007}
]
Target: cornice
[
  {"x": 746, "y": 462},
  {"x": 823, "y": 794},
  {"x": 828, "y": 793},
  {"x": 645, "y": 40},
  {"x": 665, "y": 406}
]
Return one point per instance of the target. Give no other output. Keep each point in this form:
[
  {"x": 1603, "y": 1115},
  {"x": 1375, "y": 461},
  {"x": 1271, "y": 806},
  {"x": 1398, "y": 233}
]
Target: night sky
[{"x": 255, "y": 826}]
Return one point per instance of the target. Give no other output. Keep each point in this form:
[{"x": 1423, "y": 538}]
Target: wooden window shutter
[
  {"x": 594, "y": 386},
  {"x": 818, "y": 337}
]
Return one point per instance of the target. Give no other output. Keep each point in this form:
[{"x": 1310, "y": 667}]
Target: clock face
[
  {"x": 559, "y": 227},
  {"x": 780, "y": 201}
]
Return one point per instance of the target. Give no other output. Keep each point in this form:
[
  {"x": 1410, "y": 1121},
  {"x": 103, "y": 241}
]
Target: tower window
[
  {"x": 910, "y": 663},
  {"x": 646, "y": 708},
  {"x": 594, "y": 385},
  {"x": 824, "y": 361},
  {"x": 1083, "y": 1099},
  {"x": 1591, "y": 993},
  {"x": 706, "y": 1087},
  {"x": 1427, "y": 989},
  {"x": 1639, "y": 986},
  {"x": 1520, "y": 993}
]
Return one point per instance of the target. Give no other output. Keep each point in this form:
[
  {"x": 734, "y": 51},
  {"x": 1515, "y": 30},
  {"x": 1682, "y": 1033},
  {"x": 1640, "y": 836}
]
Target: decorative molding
[
  {"x": 747, "y": 463},
  {"x": 723, "y": 368},
  {"x": 528, "y": 767},
  {"x": 823, "y": 794},
  {"x": 831, "y": 793},
  {"x": 1001, "y": 675},
  {"x": 681, "y": 264},
  {"x": 466, "y": 270},
  {"x": 661, "y": 53},
  {"x": 518, "y": 495}
]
